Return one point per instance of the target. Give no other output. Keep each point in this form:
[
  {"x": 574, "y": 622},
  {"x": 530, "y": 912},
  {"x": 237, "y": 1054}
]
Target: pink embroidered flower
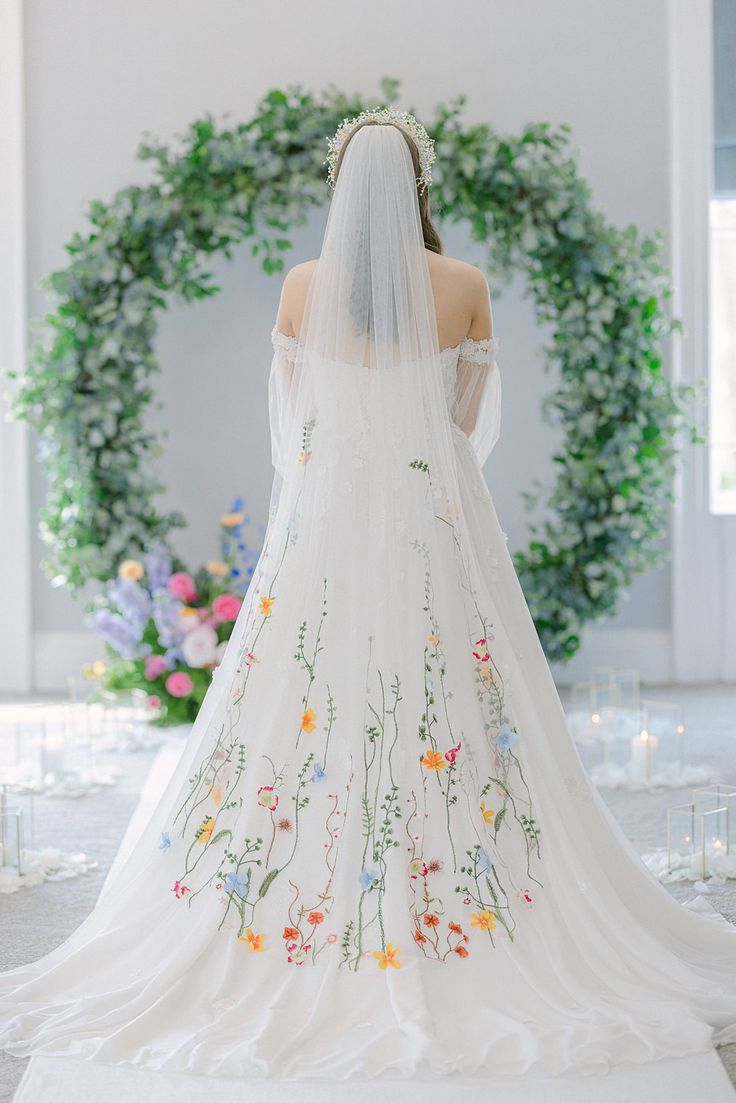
[
  {"x": 181, "y": 585},
  {"x": 267, "y": 797},
  {"x": 332, "y": 938},
  {"x": 525, "y": 897},
  {"x": 155, "y": 666},
  {"x": 484, "y": 657},
  {"x": 179, "y": 890},
  {"x": 298, "y": 954},
  {"x": 226, "y": 607},
  {"x": 417, "y": 868},
  {"x": 451, "y": 755},
  {"x": 179, "y": 684}
]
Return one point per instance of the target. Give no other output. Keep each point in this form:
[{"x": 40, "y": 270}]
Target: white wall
[{"x": 99, "y": 74}]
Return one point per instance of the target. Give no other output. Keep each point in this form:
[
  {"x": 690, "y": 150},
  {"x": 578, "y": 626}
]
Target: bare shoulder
[
  {"x": 293, "y": 296},
  {"x": 463, "y": 289}
]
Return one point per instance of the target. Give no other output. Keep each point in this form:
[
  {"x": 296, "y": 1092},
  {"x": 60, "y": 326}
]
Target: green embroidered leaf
[
  {"x": 267, "y": 882},
  {"x": 221, "y": 835}
]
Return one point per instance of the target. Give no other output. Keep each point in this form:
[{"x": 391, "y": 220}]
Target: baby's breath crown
[{"x": 408, "y": 123}]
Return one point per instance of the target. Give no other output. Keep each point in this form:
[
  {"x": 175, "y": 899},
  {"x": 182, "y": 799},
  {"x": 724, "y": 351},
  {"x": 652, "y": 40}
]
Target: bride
[{"x": 379, "y": 853}]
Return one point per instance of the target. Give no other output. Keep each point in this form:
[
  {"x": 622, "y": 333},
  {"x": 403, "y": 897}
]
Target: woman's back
[{"x": 460, "y": 292}]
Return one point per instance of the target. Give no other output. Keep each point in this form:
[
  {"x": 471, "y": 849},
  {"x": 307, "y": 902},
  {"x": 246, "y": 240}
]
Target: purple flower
[
  {"x": 158, "y": 567},
  {"x": 166, "y": 618},
  {"x": 119, "y": 633},
  {"x": 132, "y": 601}
]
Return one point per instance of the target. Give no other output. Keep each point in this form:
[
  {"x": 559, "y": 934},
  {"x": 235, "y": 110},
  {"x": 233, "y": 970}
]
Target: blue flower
[
  {"x": 158, "y": 567},
  {"x": 237, "y": 883},
  {"x": 165, "y": 841},
  {"x": 367, "y": 877},
  {"x": 484, "y": 862},
  {"x": 318, "y": 773},
  {"x": 506, "y": 737}
]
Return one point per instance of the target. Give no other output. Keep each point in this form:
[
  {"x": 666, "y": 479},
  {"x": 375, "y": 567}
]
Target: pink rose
[
  {"x": 155, "y": 666},
  {"x": 154, "y": 702},
  {"x": 181, "y": 585},
  {"x": 226, "y": 607},
  {"x": 179, "y": 684}
]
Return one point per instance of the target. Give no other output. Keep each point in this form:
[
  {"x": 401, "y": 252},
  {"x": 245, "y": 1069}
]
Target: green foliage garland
[{"x": 86, "y": 390}]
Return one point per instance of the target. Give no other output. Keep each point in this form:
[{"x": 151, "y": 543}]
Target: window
[{"x": 722, "y": 368}]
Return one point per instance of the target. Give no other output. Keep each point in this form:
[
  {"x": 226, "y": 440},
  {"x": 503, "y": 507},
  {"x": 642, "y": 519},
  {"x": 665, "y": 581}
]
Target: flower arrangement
[{"x": 166, "y": 629}]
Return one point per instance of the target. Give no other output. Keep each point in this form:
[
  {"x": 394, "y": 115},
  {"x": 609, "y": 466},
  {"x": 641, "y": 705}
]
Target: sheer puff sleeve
[
  {"x": 476, "y": 400},
  {"x": 280, "y": 394}
]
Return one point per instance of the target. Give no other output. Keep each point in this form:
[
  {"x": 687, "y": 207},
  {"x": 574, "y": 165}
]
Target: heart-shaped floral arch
[{"x": 86, "y": 390}]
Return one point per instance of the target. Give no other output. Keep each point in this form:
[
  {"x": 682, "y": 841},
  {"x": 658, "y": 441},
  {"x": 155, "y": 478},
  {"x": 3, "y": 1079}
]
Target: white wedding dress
[{"x": 379, "y": 853}]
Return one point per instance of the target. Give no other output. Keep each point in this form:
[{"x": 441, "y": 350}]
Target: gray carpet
[{"x": 36, "y": 920}]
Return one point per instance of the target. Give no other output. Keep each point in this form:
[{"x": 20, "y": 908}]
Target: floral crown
[{"x": 402, "y": 119}]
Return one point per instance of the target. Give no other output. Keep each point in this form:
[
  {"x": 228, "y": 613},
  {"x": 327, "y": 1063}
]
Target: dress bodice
[{"x": 470, "y": 350}]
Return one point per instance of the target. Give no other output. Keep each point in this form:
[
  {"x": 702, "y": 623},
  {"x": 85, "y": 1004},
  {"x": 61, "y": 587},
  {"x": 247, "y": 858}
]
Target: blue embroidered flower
[
  {"x": 237, "y": 883},
  {"x": 318, "y": 773},
  {"x": 506, "y": 737},
  {"x": 368, "y": 877},
  {"x": 484, "y": 862},
  {"x": 165, "y": 841}
]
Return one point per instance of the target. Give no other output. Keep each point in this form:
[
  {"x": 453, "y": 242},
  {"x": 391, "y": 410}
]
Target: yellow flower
[
  {"x": 205, "y": 829},
  {"x": 254, "y": 942},
  {"x": 266, "y": 605},
  {"x": 94, "y": 670},
  {"x": 488, "y": 813},
  {"x": 230, "y": 520},
  {"x": 217, "y": 568},
  {"x": 131, "y": 568},
  {"x": 185, "y": 611},
  {"x": 433, "y": 760},
  {"x": 389, "y": 958},
  {"x": 308, "y": 720},
  {"x": 485, "y": 920},
  {"x": 433, "y": 639}
]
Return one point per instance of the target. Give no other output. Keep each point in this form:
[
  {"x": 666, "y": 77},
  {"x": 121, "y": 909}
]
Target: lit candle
[{"x": 643, "y": 747}]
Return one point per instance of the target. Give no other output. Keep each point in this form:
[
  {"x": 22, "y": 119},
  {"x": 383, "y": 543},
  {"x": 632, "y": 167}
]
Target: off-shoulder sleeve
[
  {"x": 476, "y": 405},
  {"x": 280, "y": 394}
]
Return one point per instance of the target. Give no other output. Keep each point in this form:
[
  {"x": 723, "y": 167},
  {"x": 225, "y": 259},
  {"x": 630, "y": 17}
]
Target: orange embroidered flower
[
  {"x": 485, "y": 920},
  {"x": 308, "y": 720},
  {"x": 387, "y": 959},
  {"x": 419, "y": 937},
  {"x": 266, "y": 605},
  {"x": 461, "y": 951},
  {"x": 431, "y": 920},
  {"x": 290, "y": 932},
  {"x": 488, "y": 813},
  {"x": 315, "y": 917},
  {"x": 433, "y": 760},
  {"x": 455, "y": 927},
  {"x": 253, "y": 942},
  {"x": 205, "y": 829},
  {"x": 433, "y": 639},
  {"x": 217, "y": 793}
]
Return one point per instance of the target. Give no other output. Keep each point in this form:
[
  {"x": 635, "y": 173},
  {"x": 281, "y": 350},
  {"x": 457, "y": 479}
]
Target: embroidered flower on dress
[
  {"x": 433, "y": 760},
  {"x": 388, "y": 958},
  {"x": 267, "y": 797},
  {"x": 253, "y": 942}
]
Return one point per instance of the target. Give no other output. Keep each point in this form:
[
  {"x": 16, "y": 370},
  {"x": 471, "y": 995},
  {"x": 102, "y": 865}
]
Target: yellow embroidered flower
[
  {"x": 253, "y": 942},
  {"x": 217, "y": 568},
  {"x": 433, "y": 760},
  {"x": 304, "y": 457},
  {"x": 206, "y": 828},
  {"x": 308, "y": 720},
  {"x": 389, "y": 958},
  {"x": 230, "y": 520},
  {"x": 485, "y": 920},
  {"x": 488, "y": 813},
  {"x": 131, "y": 568},
  {"x": 433, "y": 639},
  {"x": 266, "y": 605}
]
